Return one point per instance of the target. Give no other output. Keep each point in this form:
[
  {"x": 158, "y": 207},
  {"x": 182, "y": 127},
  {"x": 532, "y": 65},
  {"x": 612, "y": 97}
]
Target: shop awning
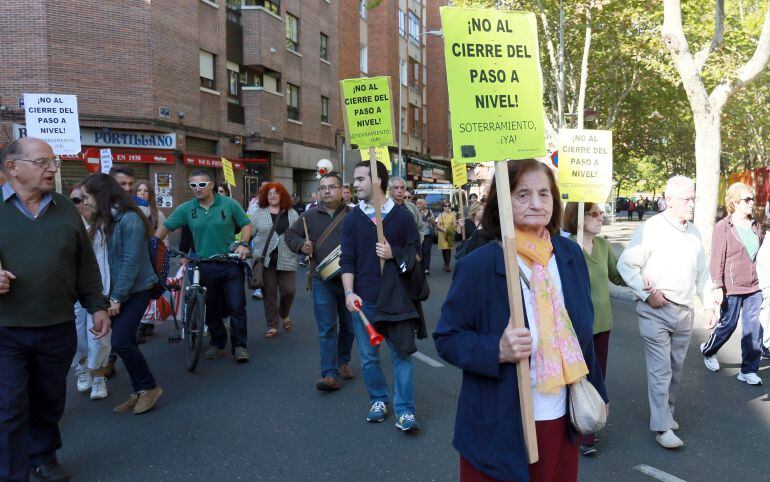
[{"x": 209, "y": 161}]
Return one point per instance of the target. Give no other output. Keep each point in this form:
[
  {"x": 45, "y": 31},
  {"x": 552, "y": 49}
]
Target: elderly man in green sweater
[{"x": 46, "y": 265}]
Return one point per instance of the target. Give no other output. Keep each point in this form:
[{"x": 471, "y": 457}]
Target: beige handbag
[{"x": 587, "y": 411}]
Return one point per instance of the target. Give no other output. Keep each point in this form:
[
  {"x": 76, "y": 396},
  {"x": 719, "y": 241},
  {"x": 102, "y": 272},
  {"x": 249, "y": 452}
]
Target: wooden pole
[
  {"x": 581, "y": 222},
  {"x": 377, "y": 199},
  {"x": 508, "y": 231},
  {"x": 462, "y": 213}
]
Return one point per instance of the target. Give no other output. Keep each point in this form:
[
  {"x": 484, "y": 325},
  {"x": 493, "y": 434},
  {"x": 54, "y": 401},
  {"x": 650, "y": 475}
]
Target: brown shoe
[
  {"x": 147, "y": 400},
  {"x": 128, "y": 405},
  {"x": 346, "y": 372},
  {"x": 328, "y": 384}
]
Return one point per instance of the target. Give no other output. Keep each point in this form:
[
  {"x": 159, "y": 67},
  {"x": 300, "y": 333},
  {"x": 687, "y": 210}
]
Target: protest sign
[
  {"x": 54, "y": 119},
  {"x": 585, "y": 165},
  {"x": 494, "y": 83},
  {"x": 367, "y": 112},
  {"x": 105, "y": 160},
  {"x": 227, "y": 167},
  {"x": 459, "y": 174},
  {"x": 496, "y": 104},
  {"x": 381, "y": 154}
]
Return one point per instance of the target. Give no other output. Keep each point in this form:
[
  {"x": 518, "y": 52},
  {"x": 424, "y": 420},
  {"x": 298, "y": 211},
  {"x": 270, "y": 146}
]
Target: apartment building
[{"x": 170, "y": 86}]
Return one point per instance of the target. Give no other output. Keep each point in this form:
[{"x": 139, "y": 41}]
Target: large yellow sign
[
  {"x": 494, "y": 82},
  {"x": 585, "y": 165},
  {"x": 227, "y": 167},
  {"x": 367, "y": 112}
]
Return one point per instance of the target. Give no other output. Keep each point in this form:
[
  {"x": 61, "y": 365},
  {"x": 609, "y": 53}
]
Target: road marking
[
  {"x": 657, "y": 474},
  {"x": 427, "y": 360}
]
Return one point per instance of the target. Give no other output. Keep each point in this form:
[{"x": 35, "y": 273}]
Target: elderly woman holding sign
[{"x": 474, "y": 334}]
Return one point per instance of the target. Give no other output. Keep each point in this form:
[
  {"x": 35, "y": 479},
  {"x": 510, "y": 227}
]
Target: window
[
  {"x": 207, "y": 63},
  {"x": 273, "y": 6},
  {"x": 363, "y": 9},
  {"x": 233, "y": 80},
  {"x": 292, "y": 102},
  {"x": 404, "y": 126},
  {"x": 404, "y": 73},
  {"x": 324, "y": 109},
  {"x": 415, "y": 120},
  {"x": 324, "y": 46},
  {"x": 402, "y": 23},
  {"x": 364, "y": 59},
  {"x": 292, "y": 32},
  {"x": 414, "y": 28}
]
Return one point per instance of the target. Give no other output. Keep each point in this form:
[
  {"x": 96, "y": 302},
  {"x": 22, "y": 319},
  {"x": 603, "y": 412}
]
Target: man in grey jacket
[{"x": 336, "y": 341}]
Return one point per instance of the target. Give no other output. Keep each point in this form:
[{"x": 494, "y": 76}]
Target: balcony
[
  {"x": 265, "y": 112},
  {"x": 264, "y": 38}
]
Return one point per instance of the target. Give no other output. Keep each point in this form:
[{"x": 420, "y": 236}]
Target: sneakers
[
  {"x": 675, "y": 426},
  {"x": 750, "y": 378},
  {"x": 257, "y": 295},
  {"x": 147, "y": 399},
  {"x": 407, "y": 423},
  {"x": 711, "y": 362},
  {"x": 587, "y": 450},
  {"x": 377, "y": 412},
  {"x": 669, "y": 440},
  {"x": 128, "y": 405},
  {"x": 328, "y": 384},
  {"x": 241, "y": 354},
  {"x": 85, "y": 379},
  {"x": 765, "y": 353},
  {"x": 346, "y": 372},
  {"x": 214, "y": 352},
  {"x": 99, "y": 388}
]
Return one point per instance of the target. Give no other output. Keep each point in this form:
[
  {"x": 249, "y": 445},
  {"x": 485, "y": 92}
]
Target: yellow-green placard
[
  {"x": 381, "y": 154},
  {"x": 227, "y": 167},
  {"x": 367, "y": 112},
  {"x": 494, "y": 82},
  {"x": 585, "y": 165},
  {"x": 459, "y": 174}
]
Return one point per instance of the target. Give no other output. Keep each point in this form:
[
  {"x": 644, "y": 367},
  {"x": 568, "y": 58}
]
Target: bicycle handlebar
[{"x": 217, "y": 258}]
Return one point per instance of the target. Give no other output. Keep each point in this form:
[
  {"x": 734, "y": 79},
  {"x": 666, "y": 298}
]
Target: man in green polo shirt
[{"x": 213, "y": 221}]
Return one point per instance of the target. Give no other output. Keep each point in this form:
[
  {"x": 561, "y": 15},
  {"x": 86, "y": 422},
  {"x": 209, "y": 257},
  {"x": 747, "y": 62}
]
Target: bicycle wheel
[{"x": 193, "y": 329}]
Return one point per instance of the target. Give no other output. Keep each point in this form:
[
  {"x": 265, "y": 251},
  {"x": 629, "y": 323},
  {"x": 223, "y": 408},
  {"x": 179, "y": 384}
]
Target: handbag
[
  {"x": 587, "y": 411},
  {"x": 257, "y": 277}
]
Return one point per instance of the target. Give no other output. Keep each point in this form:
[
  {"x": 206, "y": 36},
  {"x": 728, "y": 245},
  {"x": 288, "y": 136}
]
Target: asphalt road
[{"x": 265, "y": 420}]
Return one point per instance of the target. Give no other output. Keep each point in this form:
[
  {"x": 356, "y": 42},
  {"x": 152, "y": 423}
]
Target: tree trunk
[
  {"x": 584, "y": 71},
  {"x": 708, "y": 145}
]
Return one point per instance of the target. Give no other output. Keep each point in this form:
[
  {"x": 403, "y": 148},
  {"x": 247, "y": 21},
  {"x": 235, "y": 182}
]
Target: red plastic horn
[{"x": 374, "y": 338}]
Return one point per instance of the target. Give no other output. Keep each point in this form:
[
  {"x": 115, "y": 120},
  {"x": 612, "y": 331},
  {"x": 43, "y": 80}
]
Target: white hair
[
  {"x": 678, "y": 184},
  {"x": 394, "y": 180}
]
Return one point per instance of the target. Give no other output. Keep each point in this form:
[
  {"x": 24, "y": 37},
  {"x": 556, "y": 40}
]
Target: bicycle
[{"x": 193, "y": 323}]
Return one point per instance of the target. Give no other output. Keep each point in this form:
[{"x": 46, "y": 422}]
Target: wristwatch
[
  {"x": 113, "y": 300},
  {"x": 244, "y": 244},
  {"x": 348, "y": 293}
]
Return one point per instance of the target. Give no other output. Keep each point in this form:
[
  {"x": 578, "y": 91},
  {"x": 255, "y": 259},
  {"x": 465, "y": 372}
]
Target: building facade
[{"x": 174, "y": 86}]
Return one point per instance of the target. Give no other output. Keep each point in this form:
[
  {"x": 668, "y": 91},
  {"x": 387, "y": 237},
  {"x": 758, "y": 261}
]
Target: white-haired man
[
  {"x": 397, "y": 188},
  {"x": 665, "y": 265}
]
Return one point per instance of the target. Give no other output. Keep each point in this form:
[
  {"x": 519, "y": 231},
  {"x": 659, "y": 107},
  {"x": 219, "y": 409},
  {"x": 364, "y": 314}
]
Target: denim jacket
[{"x": 129, "y": 257}]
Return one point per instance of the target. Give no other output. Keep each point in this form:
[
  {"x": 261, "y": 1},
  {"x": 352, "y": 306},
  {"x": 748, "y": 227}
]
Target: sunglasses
[
  {"x": 748, "y": 199},
  {"x": 76, "y": 200},
  {"x": 199, "y": 185},
  {"x": 596, "y": 214},
  {"x": 446, "y": 205}
]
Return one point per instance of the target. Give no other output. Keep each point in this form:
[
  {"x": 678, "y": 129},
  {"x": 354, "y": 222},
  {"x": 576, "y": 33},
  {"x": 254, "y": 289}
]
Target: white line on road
[
  {"x": 427, "y": 360},
  {"x": 657, "y": 474}
]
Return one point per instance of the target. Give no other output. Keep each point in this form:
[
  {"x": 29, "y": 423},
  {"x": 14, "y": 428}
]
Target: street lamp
[{"x": 402, "y": 52}]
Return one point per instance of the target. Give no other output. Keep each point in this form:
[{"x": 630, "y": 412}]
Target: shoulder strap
[
  {"x": 270, "y": 236},
  {"x": 335, "y": 222}
]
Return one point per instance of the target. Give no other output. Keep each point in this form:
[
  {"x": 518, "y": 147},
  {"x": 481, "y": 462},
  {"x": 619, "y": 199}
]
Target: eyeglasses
[
  {"x": 199, "y": 185},
  {"x": 597, "y": 214},
  {"x": 747, "y": 200},
  {"x": 44, "y": 162},
  {"x": 76, "y": 200},
  {"x": 333, "y": 187},
  {"x": 446, "y": 205}
]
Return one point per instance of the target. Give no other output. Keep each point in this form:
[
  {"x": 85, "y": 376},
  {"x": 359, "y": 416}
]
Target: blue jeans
[
  {"x": 336, "y": 344},
  {"x": 745, "y": 307},
  {"x": 124, "y": 340},
  {"x": 376, "y": 385}
]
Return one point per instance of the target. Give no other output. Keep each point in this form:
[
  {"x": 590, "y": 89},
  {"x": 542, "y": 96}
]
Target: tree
[{"x": 707, "y": 108}]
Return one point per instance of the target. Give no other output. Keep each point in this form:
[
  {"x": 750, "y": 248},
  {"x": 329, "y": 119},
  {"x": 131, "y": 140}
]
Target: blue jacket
[
  {"x": 359, "y": 236},
  {"x": 128, "y": 254},
  {"x": 488, "y": 430}
]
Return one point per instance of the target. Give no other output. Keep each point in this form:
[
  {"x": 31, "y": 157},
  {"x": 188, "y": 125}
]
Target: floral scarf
[{"x": 558, "y": 358}]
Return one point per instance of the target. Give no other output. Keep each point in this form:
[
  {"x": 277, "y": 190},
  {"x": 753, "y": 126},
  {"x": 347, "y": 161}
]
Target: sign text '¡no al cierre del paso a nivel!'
[{"x": 495, "y": 90}]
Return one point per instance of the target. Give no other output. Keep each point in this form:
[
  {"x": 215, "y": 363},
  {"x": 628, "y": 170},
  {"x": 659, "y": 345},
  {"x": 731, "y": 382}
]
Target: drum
[{"x": 330, "y": 268}]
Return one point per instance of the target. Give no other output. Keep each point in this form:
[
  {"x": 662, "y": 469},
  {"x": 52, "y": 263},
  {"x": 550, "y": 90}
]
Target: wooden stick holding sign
[
  {"x": 376, "y": 199},
  {"x": 460, "y": 194},
  {"x": 581, "y": 223},
  {"x": 515, "y": 303}
]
